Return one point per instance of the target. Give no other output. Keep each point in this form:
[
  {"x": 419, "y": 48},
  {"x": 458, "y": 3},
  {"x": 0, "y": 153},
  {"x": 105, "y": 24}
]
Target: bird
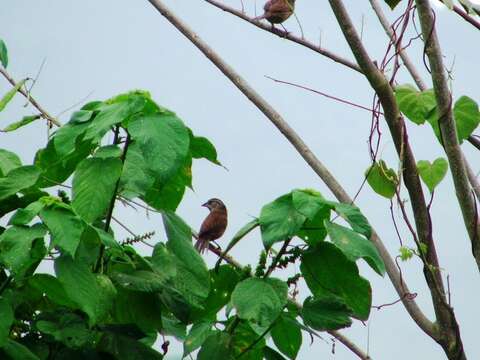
[
  {"x": 277, "y": 11},
  {"x": 214, "y": 224}
]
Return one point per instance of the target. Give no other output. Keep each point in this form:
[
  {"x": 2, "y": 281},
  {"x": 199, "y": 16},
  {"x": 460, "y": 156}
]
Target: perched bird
[
  {"x": 214, "y": 224},
  {"x": 277, "y": 11}
]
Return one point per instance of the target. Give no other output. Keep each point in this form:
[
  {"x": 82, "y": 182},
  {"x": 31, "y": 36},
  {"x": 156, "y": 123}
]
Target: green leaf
[
  {"x": 355, "y": 218},
  {"x": 328, "y": 272},
  {"x": 406, "y": 253},
  {"x": 326, "y": 313},
  {"x": 280, "y": 220},
  {"x": 432, "y": 174},
  {"x": 9, "y": 95},
  {"x": 136, "y": 178},
  {"x": 287, "y": 337},
  {"x": 142, "y": 309},
  {"x": 108, "y": 151},
  {"x": 3, "y": 54},
  {"x": 18, "y": 124},
  {"x": 126, "y": 348},
  {"x": 198, "y": 334},
  {"x": 415, "y": 105},
  {"x": 270, "y": 354},
  {"x": 246, "y": 344},
  {"x": 6, "y": 320},
  {"x": 94, "y": 294},
  {"x": 382, "y": 179},
  {"x": 174, "y": 327},
  {"x": 94, "y": 185},
  {"x": 18, "y": 179},
  {"x": 17, "y": 351},
  {"x": 17, "y": 249},
  {"x": 392, "y": 3},
  {"x": 8, "y": 162},
  {"x": 140, "y": 280},
  {"x": 163, "y": 141},
  {"x": 192, "y": 279},
  {"x": 260, "y": 300},
  {"x": 52, "y": 288},
  {"x": 216, "y": 347},
  {"x": 81, "y": 116},
  {"x": 355, "y": 246},
  {"x": 244, "y": 231},
  {"x": 467, "y": 117},
  {"x": 308, "y": 202},
  {"x": 202, "y": 148},
  {"x": 66, "y": 228},
  {"x": 25, "y": 216}
]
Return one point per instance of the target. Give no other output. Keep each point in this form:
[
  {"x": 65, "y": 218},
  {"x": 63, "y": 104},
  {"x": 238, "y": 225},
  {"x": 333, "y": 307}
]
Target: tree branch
[
  {"x": 465, "y": 16},
  {"x": 30, "y": 99},
  {"x": 448, "y": 128},
  {"x": 304, "y": 151},
  {"x": 287, "y": 36}
]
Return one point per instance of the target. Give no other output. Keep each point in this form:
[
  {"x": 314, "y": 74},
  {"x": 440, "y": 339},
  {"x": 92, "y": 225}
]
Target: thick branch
[
  {"x": 447, "y": 126},
  {"x": 304, "y": 151},
  {"x": 32, "y": 101},
  {"x": 287, "y": 36},
  {"x": 449, "y": 335}
]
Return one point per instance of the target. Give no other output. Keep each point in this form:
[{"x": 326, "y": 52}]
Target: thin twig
[{"x": 32, "y": 101}]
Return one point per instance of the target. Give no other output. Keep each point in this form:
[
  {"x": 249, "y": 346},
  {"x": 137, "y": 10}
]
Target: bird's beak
[{"x": 206, "y": 204}]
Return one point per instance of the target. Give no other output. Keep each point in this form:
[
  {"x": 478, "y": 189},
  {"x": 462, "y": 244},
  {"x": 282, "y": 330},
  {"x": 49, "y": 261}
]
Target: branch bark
[
  {"x": 423, "y": 322},
  {"x": 447, "y": 126},
  {"x": 465, "y": 16}
]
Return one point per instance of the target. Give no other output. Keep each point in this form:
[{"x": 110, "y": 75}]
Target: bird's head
[{"x": 214, "y": 203}]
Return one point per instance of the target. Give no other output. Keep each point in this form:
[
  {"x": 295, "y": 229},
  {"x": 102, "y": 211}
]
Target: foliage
[{"x": 105, "y": 300}]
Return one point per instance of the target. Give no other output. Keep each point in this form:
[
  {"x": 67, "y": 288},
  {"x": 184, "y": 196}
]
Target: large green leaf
[
  {"x": 142, "y": 309},
  {"x": 467, "y": 117},
  {"x": 328, "y": 272},
  {"x": 126, "y": 348},
  {"x": 352, "y": 214},
  {"x": 271, "y": 354},
  {"x": 94, "y": 185},
  {"x": 6, "y": 320},
  {"x": 192, "y": 279},
  {"x": 140, "y": 280},
  {"x": 25, "y": 216},
  {"x": 13, "y": 350},
  {"x": 8, "y": 162},
  {"x": 163, "y": 141},
  {"x": 216, "y": 347},
  {"x": 94, "y": 294},
  {"x": 382, "y": 179},
  {"x": 23, "y": 122},
  {"x": 287, "y": 337},
  {"x": 280, "y": 220},
  {"x": 432, "y": 173},
  {"x": 326, "y": 313},
  {"x": 355, "y": 246},
  {"x": 198, "y": 334},
  {"x": 201, "y": 147},
  {"x": 52, "y": 288},
  {"x": 414, "y": 104},
  {"x": 136, "y": 178},
  {"x": 308, "y": 202},
  {"x": 246, "y": 343},
  {"x": 10, "y": 94},
  {"x": 66, "y": 228},
  {"x": 260, "y": 300},
  {"x": 3, "y": 54},
  {"x": 18, "y": 179},
  {"x": 18, "y": 250}
]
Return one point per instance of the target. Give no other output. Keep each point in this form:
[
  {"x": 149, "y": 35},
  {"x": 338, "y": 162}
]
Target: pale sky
[{"x": 103, "y": 48}]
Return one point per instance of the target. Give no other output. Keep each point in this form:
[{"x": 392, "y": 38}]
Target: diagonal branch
[
  {"x": 465, "y": 16},
  {"x": 32, "y": 101},
  {"x": 285, "y": 35},
  {"x": 447, "y": 126},
  {"x": 302, "y": 148}
]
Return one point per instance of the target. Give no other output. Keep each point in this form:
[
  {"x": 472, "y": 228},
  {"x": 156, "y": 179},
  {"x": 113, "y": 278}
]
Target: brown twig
[{"x": 32, "y": 101}]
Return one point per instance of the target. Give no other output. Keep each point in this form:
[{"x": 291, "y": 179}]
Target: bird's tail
[{"x": 201, "y": 245}]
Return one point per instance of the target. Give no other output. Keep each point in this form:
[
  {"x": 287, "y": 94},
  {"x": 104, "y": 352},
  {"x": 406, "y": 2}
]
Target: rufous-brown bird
[
  {"x": 214, "y": 224},
  {"x": 277, "y": 11}
]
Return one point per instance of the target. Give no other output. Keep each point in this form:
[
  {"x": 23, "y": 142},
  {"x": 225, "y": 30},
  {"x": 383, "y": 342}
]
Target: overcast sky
[{"x": 102, "y": 48}]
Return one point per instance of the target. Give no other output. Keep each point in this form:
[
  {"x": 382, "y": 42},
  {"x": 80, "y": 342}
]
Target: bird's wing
[{"x": 213, "y": 226}]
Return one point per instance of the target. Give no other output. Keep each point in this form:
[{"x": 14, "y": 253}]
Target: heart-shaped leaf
[
  {"x": 432, "y": 174},
  {"x": 382, "y": 179}
]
